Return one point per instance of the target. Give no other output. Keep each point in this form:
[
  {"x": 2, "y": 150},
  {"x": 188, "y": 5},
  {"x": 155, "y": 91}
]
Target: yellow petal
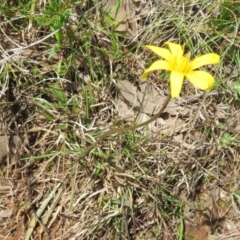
[
  {"x": 176, "y": 81},
  {"x": 210, "y": 58},
  {"x": 176, "y": 50},
  {"x": 158, "y": 65},
  {"x": 201, "y": 80},
  {"x": 162, "y": 52}
]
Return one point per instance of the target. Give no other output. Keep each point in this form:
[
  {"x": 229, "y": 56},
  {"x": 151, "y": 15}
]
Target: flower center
[{"x": 181, "y": 65}]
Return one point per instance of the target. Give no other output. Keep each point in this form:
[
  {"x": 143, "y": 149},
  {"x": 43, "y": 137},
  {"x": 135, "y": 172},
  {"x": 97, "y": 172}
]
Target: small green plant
[
  {"x": 227, "y": 140},
  {"x": 236, "y": 90},
  {"x": 56, "y": 16}
]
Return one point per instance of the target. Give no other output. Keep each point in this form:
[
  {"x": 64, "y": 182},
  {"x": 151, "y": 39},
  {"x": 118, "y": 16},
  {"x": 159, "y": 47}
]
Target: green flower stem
[{"x": 124, "y": 129}]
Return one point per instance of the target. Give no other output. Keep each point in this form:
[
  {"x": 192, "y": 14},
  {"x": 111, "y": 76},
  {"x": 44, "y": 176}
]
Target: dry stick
[{"x": 120, "y": 130}]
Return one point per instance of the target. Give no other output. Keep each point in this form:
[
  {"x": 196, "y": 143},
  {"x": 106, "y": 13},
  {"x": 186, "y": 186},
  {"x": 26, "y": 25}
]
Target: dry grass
[{"x": 58, "y": 94}]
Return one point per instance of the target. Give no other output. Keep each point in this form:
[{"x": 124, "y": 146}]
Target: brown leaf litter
[
  {"x": 125, "y": 16},
  {"x": 145, "y": 101},
  {"x": 212, "y": 215},
  {"x": 8, "y": 141},
  {"x": 203, "y": 215}
]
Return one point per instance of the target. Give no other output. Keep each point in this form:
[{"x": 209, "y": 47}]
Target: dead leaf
[
  {"x": 146, "y": 100},
  {"x": 3, "y": 147},
  {"x": 126, "y": 15},
  {"x": 176, "y": 125},
  {"x": 127, "y": 113},
  {"x": 118, "y": 14},
  {"x": 236, "y": 130},
  {"x": 5, "y": 186},
  {"x": 5, "y": 213},
  {"x": 128, "y": 92},
  {"x": 195, "y": 233},
  {"x": 124, "y": 111}
]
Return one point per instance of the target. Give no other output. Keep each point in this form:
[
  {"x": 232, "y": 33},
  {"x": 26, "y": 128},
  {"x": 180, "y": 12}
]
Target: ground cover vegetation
[{"x": 70, "y": 72}]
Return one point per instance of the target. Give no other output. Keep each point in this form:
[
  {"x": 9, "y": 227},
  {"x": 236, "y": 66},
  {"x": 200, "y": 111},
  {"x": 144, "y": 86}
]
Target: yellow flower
[{"x": 180, "y": 67}]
